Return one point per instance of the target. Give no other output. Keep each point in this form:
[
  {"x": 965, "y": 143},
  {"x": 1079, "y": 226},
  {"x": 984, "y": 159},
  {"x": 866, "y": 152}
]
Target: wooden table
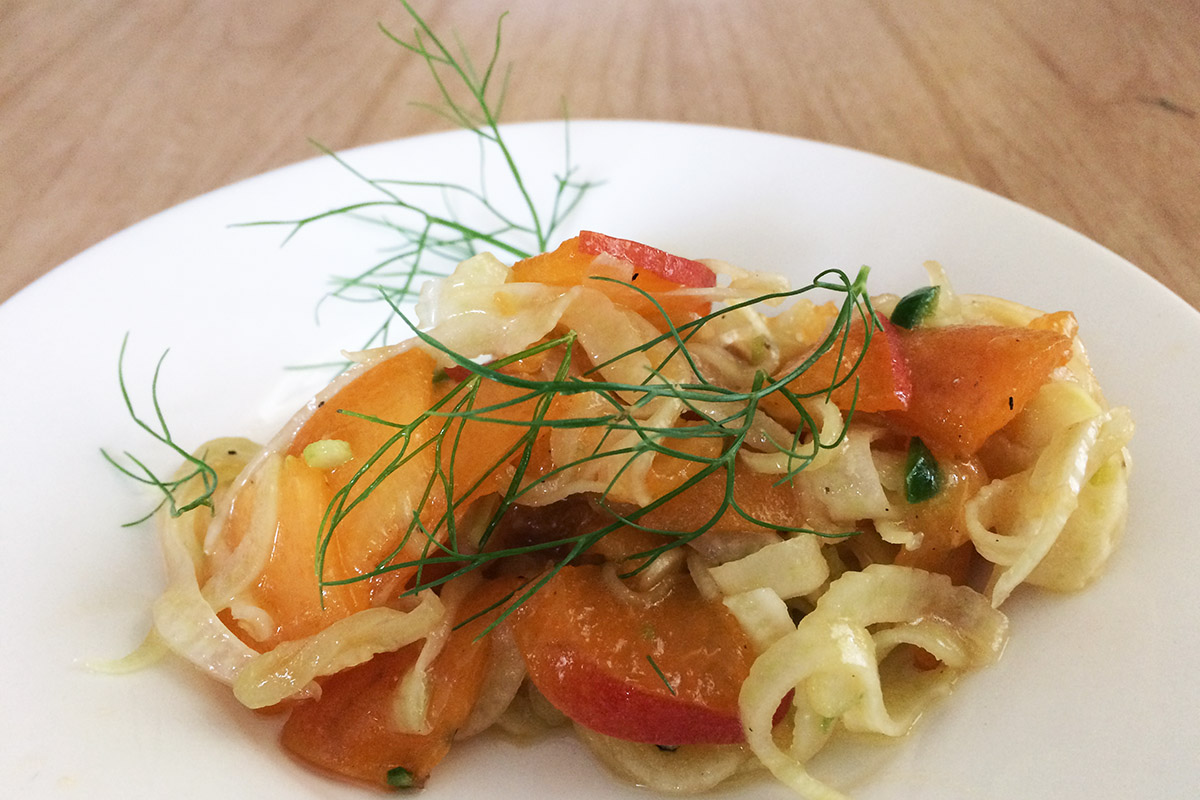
[{"x": 112, "y": 110}]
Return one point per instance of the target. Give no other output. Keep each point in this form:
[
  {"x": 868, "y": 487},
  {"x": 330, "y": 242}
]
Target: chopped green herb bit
[
  {"x": 327, "y": 453},
  {"x": 915, "y": 306},
  {"x": 922, "y": 475},
  {"x": 758, "y": 349},
  {"x": 400, "y": 778}
]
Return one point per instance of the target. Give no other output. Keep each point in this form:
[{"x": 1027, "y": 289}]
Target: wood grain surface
[{"x": 113, "y": 110}]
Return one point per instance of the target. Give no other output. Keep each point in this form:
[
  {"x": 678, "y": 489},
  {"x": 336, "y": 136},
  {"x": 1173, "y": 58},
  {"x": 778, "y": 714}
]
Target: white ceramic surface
[{"x": 1096, "y": 696}]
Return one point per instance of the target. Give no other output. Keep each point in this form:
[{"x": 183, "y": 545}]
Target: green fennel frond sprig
[
  {"x": 140, "y": 471},
  {"x": 427, "y": 247},
  {"x": 460, "y": 220},
  {"x": 716, "y": 412}
]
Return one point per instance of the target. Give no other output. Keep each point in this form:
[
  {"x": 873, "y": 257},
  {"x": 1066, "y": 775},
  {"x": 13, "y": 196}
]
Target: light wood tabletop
[{"x": 1085, "y": 110}]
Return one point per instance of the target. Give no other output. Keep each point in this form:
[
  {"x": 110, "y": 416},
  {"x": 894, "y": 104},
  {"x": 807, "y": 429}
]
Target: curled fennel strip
[
  {"x": 503, "y": 681},
  {"x": 410, "y": 701},
  {"x": 1030, "y": 518},
  {"x": 691, "y": 769},
  {"x": 791, "y": 568},
  {"x": 183, "y": 619},
  {"x": 833, "y": 662},
  {"x": 290, "y": 667},
  {"x": 144, "y": 655},
  {"x": 237, "y": 570}
]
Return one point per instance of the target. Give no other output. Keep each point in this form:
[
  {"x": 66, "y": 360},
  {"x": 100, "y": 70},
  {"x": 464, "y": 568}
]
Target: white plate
[{"x": 1096, "y": 696}]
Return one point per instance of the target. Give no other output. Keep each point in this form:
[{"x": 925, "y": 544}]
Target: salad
[{"x": 709, "y": 520}]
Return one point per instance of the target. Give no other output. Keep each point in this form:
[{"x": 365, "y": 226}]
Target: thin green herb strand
[
  {"x": 444, "y": 235},
  {"x": 658, "y": 671}
]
